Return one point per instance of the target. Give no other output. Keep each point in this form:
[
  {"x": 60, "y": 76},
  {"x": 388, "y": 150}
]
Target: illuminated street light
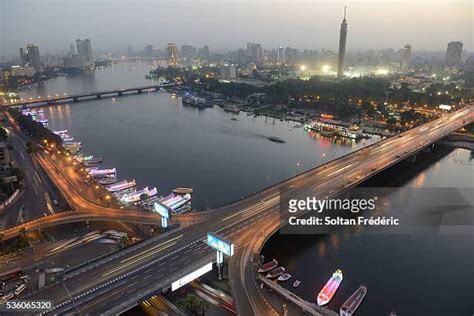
[{"x": 303, "y": 67}]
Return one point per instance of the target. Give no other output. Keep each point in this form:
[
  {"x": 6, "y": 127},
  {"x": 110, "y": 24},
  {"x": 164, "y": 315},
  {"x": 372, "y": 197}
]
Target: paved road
[
  {"x": 113, "y": 284},
  {"x": 35, "y": 199}
]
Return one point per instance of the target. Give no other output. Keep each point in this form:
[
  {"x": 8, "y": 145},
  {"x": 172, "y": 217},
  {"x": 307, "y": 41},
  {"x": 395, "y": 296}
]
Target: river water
[{"x": 154, "y": 139}]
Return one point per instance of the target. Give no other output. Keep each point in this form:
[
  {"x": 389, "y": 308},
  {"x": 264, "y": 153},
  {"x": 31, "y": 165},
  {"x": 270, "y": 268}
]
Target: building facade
[{"x": 85, "y": 50}]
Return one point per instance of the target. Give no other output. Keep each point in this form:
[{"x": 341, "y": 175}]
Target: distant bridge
[{"x": 90, "y": 95}]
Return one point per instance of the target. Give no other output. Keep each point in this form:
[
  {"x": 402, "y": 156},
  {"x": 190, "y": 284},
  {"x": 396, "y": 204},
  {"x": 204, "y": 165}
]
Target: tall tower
[
  {"x": 172, "y": 54},
  {"x": 342, "y": 46}
]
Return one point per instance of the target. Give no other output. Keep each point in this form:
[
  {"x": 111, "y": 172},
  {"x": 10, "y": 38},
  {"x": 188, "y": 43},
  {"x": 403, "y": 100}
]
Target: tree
[
  {"x": 144, "y": 197},
  {"x": 194, "y": 304},
  {"x": 122, "y": 242},
  {"x": 3, "y": 134}
]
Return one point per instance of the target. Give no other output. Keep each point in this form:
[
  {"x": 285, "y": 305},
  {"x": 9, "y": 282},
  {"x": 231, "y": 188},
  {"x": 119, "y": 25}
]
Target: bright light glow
[
  {"x": 382, "y": 72},
  {"x": 303, "y": 67},
  {"x": 326, "y": 69}
]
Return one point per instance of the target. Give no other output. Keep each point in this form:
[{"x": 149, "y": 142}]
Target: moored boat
[
  {"x": 284, "y": 277},
  {"x": 275, "y": 272},
  {"x": 352, "y": 303},
  {"x": 330, "y": 288},
  {"x": 268, "y": 266},
  {"x": 296, "y": 283}
]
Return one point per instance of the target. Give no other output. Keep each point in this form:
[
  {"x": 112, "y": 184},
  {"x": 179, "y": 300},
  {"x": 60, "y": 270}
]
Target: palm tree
[{"x": 194, "y": 304}]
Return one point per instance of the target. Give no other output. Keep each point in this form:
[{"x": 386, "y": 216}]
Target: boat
[
  {"x": 352, "y": 303},
  {"x": 275, "y": 272},
  {"x": 284, "y": 277},
  {"x": 296, "y": 283},
  {"x": 268, "y": 266},
  {"x": 102, "y": 173},
  {"x": 138, "y": 195},
  {"x": 175, "y": 201},
  {"x": 107, "y": 181},
  {"x": 183, "y": 190},
  {"x": 95, "y": 160},
  {"x": 194, "y": 101},
  {"x": 60, "y": 132},
  {"x": 119, "y": 194},
  {"x": 122, "y": 185},
  {"x": 275, "y": 139},
  {"x": 330, "y": 288}
]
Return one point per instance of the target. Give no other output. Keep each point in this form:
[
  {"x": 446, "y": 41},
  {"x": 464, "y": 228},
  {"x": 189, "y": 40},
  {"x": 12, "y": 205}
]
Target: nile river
[{"x": 154, "y": 139}]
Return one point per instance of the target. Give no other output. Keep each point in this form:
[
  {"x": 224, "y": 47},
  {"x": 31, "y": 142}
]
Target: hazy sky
[{"x": 229, "y": 24}]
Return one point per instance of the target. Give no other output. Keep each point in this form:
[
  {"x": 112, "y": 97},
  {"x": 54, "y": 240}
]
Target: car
[{"x": 55, "y": 202}]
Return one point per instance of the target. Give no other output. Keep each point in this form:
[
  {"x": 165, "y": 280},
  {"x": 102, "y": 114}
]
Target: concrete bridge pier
[
  {"x": 139, "y": 91},
  {"x": 99, "y": 96},
  {"x": 120, "y": 93},
  {"x": 75, "y": 100}
]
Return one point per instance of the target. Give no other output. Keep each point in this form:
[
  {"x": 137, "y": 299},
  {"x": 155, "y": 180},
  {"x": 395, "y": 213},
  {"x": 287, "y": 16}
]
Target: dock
[{"x": 305, "y": 306}]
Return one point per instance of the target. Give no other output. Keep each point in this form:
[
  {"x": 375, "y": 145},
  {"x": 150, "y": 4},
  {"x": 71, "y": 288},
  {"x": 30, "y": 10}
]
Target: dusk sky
[{"x": 230, "y": 24}]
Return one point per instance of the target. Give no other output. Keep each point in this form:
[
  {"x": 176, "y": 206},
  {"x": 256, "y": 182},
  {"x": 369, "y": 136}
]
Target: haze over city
[{"x": 230, "y": 24}]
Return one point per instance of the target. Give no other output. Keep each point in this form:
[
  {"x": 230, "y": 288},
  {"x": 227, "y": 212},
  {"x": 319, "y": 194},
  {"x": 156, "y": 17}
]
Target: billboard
[
  {"x": 193, "y": 275},
  {"x": 220, "y": 244},
  {"x": 161, "y": 209}
]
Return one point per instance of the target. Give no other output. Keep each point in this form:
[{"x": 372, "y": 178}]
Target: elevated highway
[{"x": 119, "y": 281}]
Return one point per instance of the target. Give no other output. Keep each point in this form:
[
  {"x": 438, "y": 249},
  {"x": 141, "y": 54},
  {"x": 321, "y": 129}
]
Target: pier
[{"x": 305, "y": 306}]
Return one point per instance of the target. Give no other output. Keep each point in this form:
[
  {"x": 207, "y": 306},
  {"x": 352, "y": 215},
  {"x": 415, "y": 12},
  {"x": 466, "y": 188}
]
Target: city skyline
[{"x": 316, "y": 21}]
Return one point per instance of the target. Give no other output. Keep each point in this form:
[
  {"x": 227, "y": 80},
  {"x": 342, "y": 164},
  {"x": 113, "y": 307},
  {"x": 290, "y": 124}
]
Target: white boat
[
  {"x": 102, "y": 173},
  {"x": 296, "y": 283},
  {"x": 137, "y": 195},
  {"x": 284, "y": 277},
  {"x": 122, "y": 185}
]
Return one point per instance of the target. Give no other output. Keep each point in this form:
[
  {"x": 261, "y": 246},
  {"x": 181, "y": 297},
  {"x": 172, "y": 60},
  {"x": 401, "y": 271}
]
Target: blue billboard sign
[
  {"x": 220, "y": 244},
  {"x": 162, "y": 210}
]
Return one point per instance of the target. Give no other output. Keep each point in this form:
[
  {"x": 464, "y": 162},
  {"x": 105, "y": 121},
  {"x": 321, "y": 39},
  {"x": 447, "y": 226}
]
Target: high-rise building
[
  {"x": 84, "y": 49},
  {"x": 24, "y": 57},
  {"x": 188, "y": 52},
  {"x": 172, "y": 54},
  {"x": 228, "y": 71},
  {"x": 149, "y": 51},
  {"x": 405, "y": 58},
  {"x": 255, "y": 52},
  {"x": 280, "y": 54},
  {"x": 454, "y": 55},
  {"x": 72, "y": 49},
  {"x": 34, "y": 57},
  {"x": 342, "y": 46},
  {"x": 203, "y": 52},
  {"x": 129, "y": 51}
]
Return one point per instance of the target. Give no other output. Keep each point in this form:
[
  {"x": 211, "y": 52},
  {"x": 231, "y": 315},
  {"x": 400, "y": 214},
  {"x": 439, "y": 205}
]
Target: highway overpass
[{"x": 117, "y": 282}]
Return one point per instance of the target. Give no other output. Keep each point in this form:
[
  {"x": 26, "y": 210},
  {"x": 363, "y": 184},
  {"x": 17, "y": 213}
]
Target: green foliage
[
  {"x": 3, "y": 134},
  {"x": 37, "y": 131},
  {"x": 194, "y": 304}
]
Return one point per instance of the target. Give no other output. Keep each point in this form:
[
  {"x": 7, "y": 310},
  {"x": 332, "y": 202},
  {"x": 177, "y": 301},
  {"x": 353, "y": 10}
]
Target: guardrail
[{"x": 10, "y": 199}]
